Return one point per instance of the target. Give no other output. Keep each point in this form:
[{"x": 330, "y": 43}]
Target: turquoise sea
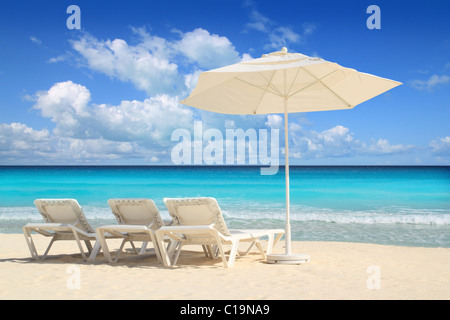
[{"x": 407, "y": 206}]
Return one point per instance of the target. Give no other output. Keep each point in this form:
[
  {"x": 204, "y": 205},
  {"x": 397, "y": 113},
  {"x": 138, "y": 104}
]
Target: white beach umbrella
[{"x": 282, "y": 82}]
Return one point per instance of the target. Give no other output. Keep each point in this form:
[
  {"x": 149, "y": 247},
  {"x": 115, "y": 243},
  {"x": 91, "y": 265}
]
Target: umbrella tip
[{"x": 284, "y": 50}]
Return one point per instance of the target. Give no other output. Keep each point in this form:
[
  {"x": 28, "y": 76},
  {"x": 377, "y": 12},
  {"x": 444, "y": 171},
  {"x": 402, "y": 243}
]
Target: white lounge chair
[
  {"x": 64, "y": 220},
  {"x": 200, "y": 221},
  {"x": 138, "y": 219}
]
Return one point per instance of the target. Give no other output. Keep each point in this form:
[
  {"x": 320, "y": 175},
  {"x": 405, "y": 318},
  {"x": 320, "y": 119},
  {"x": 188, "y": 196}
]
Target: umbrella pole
[
  {"x": 288, "y": 257},
  {"x": 286, "y": 169}
]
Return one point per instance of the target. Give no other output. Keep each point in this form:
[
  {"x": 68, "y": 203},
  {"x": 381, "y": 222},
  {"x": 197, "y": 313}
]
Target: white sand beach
[{"x": 336, "y": 271}]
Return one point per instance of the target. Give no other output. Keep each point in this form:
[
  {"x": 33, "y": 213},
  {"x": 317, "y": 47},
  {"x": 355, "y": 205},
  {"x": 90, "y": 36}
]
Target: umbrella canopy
[
  {"x": 260, "y": 86},
  {"x": 282, "y": 82}
]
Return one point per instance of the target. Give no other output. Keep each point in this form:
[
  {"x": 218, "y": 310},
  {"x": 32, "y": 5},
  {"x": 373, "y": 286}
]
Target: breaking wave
[{"x": 388, "y": 215}]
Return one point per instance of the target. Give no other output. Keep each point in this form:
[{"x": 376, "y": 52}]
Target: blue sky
[{"x": 108, "y": 93}]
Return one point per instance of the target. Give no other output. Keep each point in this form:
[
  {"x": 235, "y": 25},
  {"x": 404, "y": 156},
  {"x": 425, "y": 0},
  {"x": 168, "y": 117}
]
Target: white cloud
[
  {"x": 94, "y": 149},
  {"x": 141, "y": 130},
  {"x": 278, "y": 36},
  {"x": 146, "y": 69},
  {"x": 335, "y": 142},
  {"x": 59, "y": 58},
  {"x": 274, "y": 121},
  {"x": 432, "y": 82},
  {"x": 440, "y": 146},
  {"x": 308, "y": 28},
  {"x": 281, "y": 36},
  {"x": 338, "y": 141},
  {"x": 259, "y": 22},
  {"x": 68, "y": 105},
  {"x": 20, "y": 143},
  {"x": 61, "y": 98},
  {"x": 190, "y": 80},
  {"x": 19, "y": 136},
  {"x": 382, "y": 146},
  {"x": 151, "y": 120},
  {"x": 153, "y": 63},
  {"x": 85, "y": 132},
  {"x": 35, "y": 40},
  {"x": 207, "y": 50}
]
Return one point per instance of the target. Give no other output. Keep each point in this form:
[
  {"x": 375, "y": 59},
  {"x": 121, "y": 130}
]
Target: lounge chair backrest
[
  {"x": 136, "y": 212},
  {"x": 196, "y": 211},
  {"x": 66, "y": 211}
]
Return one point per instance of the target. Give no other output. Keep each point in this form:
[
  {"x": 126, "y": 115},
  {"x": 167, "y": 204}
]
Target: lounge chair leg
[
  {"x": 48, "y": 248},
  {"x": 165, "y": 257},
  {"x": 210, "y": 251},
  {"x": 271, "y": 243},
  {"x": 144, "y": 247},
  {"x": 102, "y": 240},
  {"x": 248, "y": 249},
  {"x": 173, "y": 247},
  {"x": 215, "y": 251},
  {"x": 155, "y": 246},
  {"x": 116, "y": 257},
  {"x": 234, "y": 246},
  {"x": 122, "y": 244},
  {"x": 94, "y": 251},
  {"x": 30, "y": 243},
  {"x": 121, "y": 248},
  {"x": 258, "y": 245},
  {"x": 88, "y": 245},
  {"x": 134, "y": 248},
  {"x": 205, "y": 250},
  {"x": 177, "y": 254},
  {"x": 232, "y": 256},
  {"x": 233, "y": 253},
  {"x": 75, "y": 234}
]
